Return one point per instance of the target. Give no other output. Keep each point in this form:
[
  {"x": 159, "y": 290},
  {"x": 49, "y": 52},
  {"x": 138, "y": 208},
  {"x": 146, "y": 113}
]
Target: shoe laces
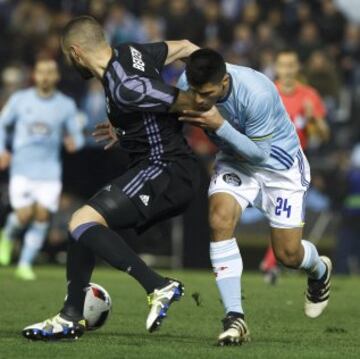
[{"x": 231, "y": 322}]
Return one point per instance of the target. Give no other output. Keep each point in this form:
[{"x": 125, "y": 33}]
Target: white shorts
[
  {"x": 280, "y": 195},
  {"x": 25, "y": 192}
]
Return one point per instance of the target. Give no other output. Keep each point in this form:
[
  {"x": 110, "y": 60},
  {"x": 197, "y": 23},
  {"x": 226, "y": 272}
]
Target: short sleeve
[{"x": 158, "y": 51}]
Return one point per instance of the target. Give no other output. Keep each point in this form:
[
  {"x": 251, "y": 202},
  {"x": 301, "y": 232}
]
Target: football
[{"x": 97, "y": 306}]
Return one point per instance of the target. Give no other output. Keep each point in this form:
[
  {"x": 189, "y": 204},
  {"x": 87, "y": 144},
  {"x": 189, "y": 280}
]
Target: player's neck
[
  {"x": 45, "y": 93},
  {"x": 287, "y": 87},
  {"x": 227, "y": 88},
  {"x": 100, "y": 62}
]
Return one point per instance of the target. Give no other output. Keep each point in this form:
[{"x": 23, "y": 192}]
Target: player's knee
[
  {"x": 222, "y": 218},
  {"x": 25, "y": 217},
  {"x": 289, "y": 257},
  {"x": 84, "y": 215},
  {"x": 42, "y": 215}
]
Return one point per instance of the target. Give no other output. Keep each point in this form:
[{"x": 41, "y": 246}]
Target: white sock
[
  {"x": 33, "y": 241},
  {"x": 312, "y": 264},
  {"x": 13, "y": 227},
  {"x": 227, "y": 265}
]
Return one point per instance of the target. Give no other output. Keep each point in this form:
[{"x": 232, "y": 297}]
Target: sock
[
  {"x": 227, "y": 265},
  {"x": 33, "y": 241},
  {"x": 80, "y": 264},
  {"x": 113, "y": 249},
  {"x": 312, "y": 264},
  {"x": 13, "y": 227}
]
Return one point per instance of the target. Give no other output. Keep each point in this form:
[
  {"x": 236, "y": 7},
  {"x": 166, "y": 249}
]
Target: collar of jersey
[
  {"x": 115, "y": 53},
  {"x": 222, "y": 100}
]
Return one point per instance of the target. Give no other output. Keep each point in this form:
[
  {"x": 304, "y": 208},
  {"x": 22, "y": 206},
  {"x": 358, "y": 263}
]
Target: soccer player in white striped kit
[{"x": 260, "y": 163}]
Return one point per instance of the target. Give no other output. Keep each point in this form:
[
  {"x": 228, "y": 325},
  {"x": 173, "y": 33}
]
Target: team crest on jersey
[{"x": 232, "y": 178}]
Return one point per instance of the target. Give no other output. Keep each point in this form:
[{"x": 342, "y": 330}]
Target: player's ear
[
  {"x": 225, "y": 80},
  {"x": 75, "y": 52}
]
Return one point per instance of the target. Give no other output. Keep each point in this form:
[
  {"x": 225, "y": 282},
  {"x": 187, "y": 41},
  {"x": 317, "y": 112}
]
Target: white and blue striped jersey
[
  {"x": 253, "y": 108},
  {"x": 39, "y": 125}
]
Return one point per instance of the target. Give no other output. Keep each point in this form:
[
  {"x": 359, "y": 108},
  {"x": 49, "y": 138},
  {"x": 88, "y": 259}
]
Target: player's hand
[
  {"x": 5, "y": 158},
  {"x": 69, "y": 144},
  {"x": 308, "y": 109},
  {"x": 104, "y": 132},
  {"x": 211, "y": 120}
]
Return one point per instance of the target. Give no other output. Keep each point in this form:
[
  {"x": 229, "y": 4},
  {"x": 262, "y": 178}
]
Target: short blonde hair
[{"x": 85, "y": 31}]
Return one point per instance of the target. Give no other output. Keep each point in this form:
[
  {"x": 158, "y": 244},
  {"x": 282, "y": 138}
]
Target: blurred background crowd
[{"x": 324, "y": 33}]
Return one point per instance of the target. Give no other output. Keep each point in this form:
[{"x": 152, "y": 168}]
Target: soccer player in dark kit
[{"x": 160, "y": 182}]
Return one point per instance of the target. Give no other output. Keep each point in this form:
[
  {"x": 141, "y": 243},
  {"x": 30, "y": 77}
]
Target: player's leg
[
  {"x": 224, "y": 213},
  {"x": 90, "y": 229},
  {"x": 46, "y": 195},
  {"x": 230, "y": 193},
  {"x": 283, "y": 202},
  {"x": 297, "y": 253},
  {"x": 22, "y": 203},
  {"x": 33, "y": 241},
  {"x": 15, "y": 224},
  {"x": 89, "y": 235}
]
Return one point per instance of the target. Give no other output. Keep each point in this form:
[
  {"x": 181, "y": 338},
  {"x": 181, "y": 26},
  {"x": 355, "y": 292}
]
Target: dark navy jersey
[{"x": 138, "y": 102}]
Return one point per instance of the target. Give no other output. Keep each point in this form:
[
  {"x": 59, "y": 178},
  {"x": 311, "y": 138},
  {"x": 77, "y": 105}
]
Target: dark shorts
[{"x": 157, "y": 191}]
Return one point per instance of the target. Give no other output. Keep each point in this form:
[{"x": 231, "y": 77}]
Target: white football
[{"x": 97, "y": 306}]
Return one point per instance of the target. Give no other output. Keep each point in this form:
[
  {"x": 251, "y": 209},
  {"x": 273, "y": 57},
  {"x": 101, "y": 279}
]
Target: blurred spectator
[
  {"x": 309, "y": 40},
  {"x": 348, "y": 241},
  {"x": 183, "y": 21},
  {"x": 331, "y": 23},
  {"x": 321, "y": 74},
  {"x": 122, "y": 26},
  {"x": 216, "y": 26}
]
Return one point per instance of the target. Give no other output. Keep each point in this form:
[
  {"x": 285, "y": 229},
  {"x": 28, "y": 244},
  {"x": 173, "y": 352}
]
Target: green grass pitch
[{"x": 275, "y": 316}]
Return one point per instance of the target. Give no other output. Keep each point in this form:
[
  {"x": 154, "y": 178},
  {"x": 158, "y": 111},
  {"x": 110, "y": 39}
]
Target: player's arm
[
  {"x": 255, "y": 144},
  {"x": 179, "y": 50},
  {"x": 136, "y": 90},
  {"x": 7, "y": 118},
  {"x": 74, "y": 138}
]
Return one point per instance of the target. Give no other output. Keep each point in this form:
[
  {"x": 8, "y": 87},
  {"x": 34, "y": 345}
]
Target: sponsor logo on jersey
[
  {"x": 137, "y": 60},
  {"x": 144, "y": 199},
  {"x": 232, "y": 178}
]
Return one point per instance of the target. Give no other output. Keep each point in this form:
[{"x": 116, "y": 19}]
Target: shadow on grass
[{"x": 158, "y": 337}]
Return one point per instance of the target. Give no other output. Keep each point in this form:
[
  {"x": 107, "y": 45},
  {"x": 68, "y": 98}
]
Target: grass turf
[{"x": 278, "y": 326}]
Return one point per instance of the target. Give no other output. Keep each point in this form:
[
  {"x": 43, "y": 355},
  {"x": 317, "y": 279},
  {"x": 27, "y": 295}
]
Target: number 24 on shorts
[{"x": 282, "y": 206}]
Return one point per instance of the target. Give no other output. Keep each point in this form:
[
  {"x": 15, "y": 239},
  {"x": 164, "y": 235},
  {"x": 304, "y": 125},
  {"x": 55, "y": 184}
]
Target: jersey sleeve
[
  {"x": 73, "y": 126},
  {"x": 138, "y": 91},
  {"x": 260, "y": 120},
  {"x": 158, "y": 51},
  {"x": 8, "y": 117}
]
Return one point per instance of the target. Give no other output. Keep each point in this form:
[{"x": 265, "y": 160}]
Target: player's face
[
  {"x": 46, "y": 75},
  {"x": 287, "y": 66},
  {"x": 208, "y": 94}
]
